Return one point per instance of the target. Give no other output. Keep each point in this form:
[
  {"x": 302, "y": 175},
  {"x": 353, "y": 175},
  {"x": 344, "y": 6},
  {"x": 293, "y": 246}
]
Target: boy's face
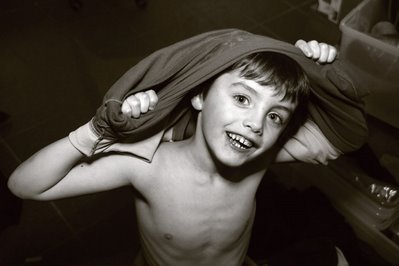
[{"x": 242, "y": 119}]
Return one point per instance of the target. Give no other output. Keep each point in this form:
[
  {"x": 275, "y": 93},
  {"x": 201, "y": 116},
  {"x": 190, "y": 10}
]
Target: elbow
[
  {"x": 13, "y": 187},
  {"x": 17, "y": 188}
]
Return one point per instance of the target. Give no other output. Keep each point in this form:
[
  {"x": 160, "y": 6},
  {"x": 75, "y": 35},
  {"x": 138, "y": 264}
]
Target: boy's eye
[
  {"x": 276, "y": 118},
  {"x": 241, "y": 99}
]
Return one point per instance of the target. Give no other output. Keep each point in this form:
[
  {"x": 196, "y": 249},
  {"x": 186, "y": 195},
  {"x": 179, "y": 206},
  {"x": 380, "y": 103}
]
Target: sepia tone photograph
[{"x": 199, "y": 133}]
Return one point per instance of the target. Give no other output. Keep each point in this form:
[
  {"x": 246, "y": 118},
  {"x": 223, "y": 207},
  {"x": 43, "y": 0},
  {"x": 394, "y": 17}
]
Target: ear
[{"x": 197, "y": 102}]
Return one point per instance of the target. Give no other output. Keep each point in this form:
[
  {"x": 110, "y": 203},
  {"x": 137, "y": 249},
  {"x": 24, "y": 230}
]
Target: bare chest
[{"x": 191, "y": 216}]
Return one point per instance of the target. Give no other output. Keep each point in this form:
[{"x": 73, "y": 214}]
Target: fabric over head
[{"x": 336, "y": 104}]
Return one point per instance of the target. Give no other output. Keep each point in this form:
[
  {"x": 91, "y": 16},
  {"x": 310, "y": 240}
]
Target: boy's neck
[{"x": 196, "y": 152}]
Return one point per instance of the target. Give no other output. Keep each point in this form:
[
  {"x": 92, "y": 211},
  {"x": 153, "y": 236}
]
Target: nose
[{"x": 255, "y": 126}]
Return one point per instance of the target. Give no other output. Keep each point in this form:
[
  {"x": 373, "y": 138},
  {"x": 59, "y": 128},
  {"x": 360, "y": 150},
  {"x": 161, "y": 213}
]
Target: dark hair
[{"x": 278, "y": 70}]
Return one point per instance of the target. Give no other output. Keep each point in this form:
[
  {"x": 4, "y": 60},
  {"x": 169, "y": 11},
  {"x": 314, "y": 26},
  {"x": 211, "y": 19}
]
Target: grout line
[
  {"x": 11, "y": 151},
  {"x": 284, "y": 13},
  {"x": 301, "y": 4},
  {"x": 292, "y": 7},
  {"x": 67, "y": 224},
  {"x": 37, "y": 123},
  {"x": 14, "y": 157}
]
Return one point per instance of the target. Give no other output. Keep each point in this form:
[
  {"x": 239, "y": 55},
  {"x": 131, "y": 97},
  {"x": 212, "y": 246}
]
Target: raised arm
[
  {"x": 56, "y": 172},
  {"x": 44, "y": 169},
  {"x": 309, "y": 144},
  {"x": 62, "y": 170}
]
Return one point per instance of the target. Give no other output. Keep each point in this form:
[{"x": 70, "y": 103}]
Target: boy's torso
[{"x": 186, "y": 219}]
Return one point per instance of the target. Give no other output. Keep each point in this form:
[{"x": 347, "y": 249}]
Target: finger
[
  {"x": 301, "y": 44},
  {"x": 134, "y": 103},
  {"x": 324, "y": 52},
  {"x": 144, "y": 101},
  {"x": 332, "y": 54},
  {"x": 126, "y": 108},
  {"x": 153, "y": 99},
  {"x": 314, "y": 46}
]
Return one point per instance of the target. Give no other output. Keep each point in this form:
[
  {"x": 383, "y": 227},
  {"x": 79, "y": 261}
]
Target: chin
[
  {"x": 232, "y": 160},
  {"x": 232, "y": 157}
]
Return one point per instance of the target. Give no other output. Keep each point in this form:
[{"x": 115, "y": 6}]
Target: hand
[
  {"x": 322, "y": 53},
  {"x": 139, "y": 103}
]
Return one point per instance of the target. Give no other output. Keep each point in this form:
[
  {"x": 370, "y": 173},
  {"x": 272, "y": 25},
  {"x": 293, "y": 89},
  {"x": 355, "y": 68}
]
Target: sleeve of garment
[
  {"x": 336, "y": 105},
  {"x": 308, "y": 145}
]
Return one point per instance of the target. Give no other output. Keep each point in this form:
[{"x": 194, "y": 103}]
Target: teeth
[{"x": 243, "y": 141}]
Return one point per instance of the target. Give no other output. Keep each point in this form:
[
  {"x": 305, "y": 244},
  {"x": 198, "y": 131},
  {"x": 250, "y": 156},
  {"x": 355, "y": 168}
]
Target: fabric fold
[{"x": 336, "y": 104}]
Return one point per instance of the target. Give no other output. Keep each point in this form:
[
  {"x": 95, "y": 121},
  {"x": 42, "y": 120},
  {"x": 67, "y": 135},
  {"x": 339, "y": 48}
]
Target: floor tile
[
  {"x": 39, "y": 229},
  {"x": 111, "y": 241},
  {"x": 304, "y": 23},
  {"x": 86, "y": 211}
]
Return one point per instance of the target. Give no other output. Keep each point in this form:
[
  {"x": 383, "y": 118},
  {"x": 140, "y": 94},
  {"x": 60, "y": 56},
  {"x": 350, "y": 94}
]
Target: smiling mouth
[{"x": 239, "y": 141}]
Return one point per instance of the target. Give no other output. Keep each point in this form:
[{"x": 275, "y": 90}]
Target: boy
[{"x": 197, "y": 206}]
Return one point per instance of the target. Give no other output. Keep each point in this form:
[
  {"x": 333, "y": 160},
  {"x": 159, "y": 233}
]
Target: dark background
[{"x": 57, "y": 59}]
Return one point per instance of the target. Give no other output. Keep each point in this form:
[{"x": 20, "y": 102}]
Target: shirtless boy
[{"x": 196, "y": 202}]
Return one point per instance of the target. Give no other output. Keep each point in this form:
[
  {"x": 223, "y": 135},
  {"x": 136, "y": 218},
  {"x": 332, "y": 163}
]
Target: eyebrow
[
  {"x": 289, "y": 110},
  {"x": 245, "y": 86},
  {"x": 253, "y": 91}
]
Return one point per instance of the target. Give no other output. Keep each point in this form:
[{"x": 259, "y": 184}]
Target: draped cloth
[{"x": 336, "y": 104}]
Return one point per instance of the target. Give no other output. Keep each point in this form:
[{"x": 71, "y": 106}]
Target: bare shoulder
[
  {"x": 168, "y": 158},
  {"x": 126, "y": 166},
  {"x": 168, "y": 151},
  {"x": 144, "y": 175}
]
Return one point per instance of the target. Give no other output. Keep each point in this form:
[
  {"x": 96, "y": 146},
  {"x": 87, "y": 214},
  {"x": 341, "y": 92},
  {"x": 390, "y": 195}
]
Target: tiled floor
[{"x": 57, "y": 62}]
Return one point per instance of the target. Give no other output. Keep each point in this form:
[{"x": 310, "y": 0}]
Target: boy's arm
[
  {"x": 54, "y": 172},
  {"x": 57, "y": 171},
  {"x": 309, "y": 144}
]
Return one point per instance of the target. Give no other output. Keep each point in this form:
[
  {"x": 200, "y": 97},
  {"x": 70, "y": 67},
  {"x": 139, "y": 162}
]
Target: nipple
[{"x": 168, "y": 236}]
